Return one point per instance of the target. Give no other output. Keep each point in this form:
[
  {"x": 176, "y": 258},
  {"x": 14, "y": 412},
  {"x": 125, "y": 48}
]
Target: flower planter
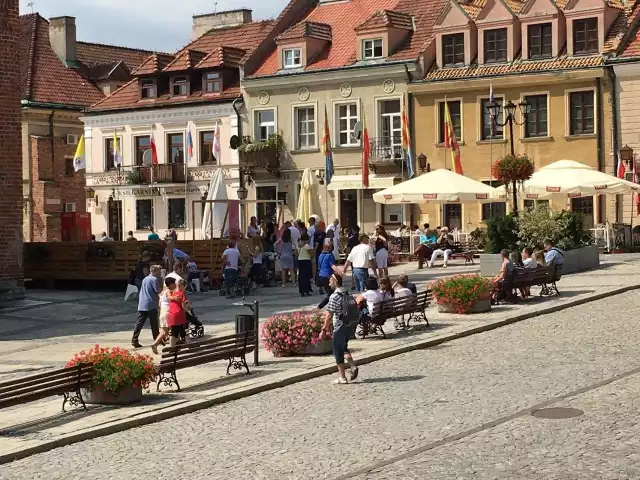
[
  {"x": 577, "y": 260},
  {"x": 96, "y": 395},
  {"x": 321, "y": 348},
  {"x": 479, "y": 306}
]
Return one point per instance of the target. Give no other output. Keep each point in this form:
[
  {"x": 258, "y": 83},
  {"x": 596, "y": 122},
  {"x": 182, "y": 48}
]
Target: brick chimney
[
  {"x": 62, "y": 36},
  {"x": 231, "y": 18}
]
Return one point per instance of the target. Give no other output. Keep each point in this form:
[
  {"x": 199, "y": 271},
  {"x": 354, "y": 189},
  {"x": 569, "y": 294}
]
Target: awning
[{"x": 354, "y": 182}]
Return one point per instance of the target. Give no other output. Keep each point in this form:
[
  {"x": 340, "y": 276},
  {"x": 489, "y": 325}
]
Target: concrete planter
[
  {"x": 96, "y": 395},
  {"x": 577, "y": 260},
  {"x": 480, "y": 306}
]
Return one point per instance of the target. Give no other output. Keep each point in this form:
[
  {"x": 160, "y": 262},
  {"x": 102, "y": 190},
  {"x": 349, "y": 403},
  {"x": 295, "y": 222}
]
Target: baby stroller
[
  {"x": 241, "y": 287},
  {"x": 194, "y": 325},
  {"x": 269, "y": 269}
]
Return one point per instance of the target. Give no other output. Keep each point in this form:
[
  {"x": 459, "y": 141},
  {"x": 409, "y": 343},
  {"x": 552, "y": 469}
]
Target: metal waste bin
[{"x": 244, "y": 323}]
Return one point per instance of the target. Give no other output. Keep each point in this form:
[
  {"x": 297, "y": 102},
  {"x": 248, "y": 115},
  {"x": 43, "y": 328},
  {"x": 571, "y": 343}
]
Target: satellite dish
[
  {"x": 147, "y": 158},
  {"x": 357, "y": 131},
  {"x": 234, "y": 142}
]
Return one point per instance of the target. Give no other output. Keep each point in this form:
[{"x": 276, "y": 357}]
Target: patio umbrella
[
  {"x": 438, "y": 186},
  {"x": 573, "y": 179},
  {"x": 214, "y": 214},
  {"x": 308, "y": 201}
]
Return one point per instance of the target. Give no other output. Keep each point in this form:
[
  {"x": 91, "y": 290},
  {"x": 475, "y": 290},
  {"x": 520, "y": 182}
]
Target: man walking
[
  {"x": 147, "y": 305},
  {"x": 230, "y": 261},
  {"x": 361, "y": 258}
]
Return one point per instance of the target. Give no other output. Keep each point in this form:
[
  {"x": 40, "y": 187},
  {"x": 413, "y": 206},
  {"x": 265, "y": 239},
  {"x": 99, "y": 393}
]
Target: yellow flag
[{"x": 79, "y": 162}]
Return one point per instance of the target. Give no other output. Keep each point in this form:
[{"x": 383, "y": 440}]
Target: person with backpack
[{"x": 338, "y": 321}]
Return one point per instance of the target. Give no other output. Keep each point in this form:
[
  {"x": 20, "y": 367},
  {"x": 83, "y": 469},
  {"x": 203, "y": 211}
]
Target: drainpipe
[
  {"x": 614, "y": 121},
  {"x": 30, "y": 186},
  {"x": 600, "y": 146},
  {"x": 52, "y": 138}
]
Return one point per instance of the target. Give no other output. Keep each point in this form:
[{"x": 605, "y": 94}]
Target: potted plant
[
  {"x": 295, "y": 334},
  {"x": 118, "y": 375},
  {"x": 462, "y": 294},
  {"x": 512, "y": 171}
]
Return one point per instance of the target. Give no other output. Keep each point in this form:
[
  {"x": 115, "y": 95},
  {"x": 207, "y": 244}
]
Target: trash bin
[{"x": 244, "y": 323}]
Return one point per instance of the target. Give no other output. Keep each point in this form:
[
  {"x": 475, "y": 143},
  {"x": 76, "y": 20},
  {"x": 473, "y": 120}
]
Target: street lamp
[
  {"x": 626, "y": 155},
  {"x": 242, "y": 192},
  {"x": 510, "y": 118},
  {"x": 422, "y": 163}
]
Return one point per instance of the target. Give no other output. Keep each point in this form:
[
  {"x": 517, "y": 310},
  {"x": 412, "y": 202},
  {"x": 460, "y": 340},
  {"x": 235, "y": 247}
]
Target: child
[
  {"x": 178, "y": 304},
  {"x": 255, "y": 274},
  {"x": 163, "y": 319},
  {"x": 305, "y": 254}
]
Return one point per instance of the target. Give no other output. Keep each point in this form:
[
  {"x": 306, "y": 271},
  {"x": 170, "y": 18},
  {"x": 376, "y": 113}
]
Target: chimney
[
  {"x": 231, "y": 18},
  {"x": 62, "y": 36}
]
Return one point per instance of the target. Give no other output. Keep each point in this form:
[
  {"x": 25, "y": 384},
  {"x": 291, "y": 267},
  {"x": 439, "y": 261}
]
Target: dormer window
[
  {"x": 372, "y": 49},
  {"x": 291, "y": 58},
  {"x": 212, "y": 83},
  {"x": 585, "y": 36},
  {"x": 180, "y": 86},
  {"x": 540, "y": 40},
  {"x": 495, "y": 45},
  {"x": 148, "y": 88},
  {"x": 453, "y": 49}
]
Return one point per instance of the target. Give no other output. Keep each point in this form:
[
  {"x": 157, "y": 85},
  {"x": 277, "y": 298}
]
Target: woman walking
[
  {"x": 326, "y": 261},
  {"x": 305, "y": 254},
  {"x": 163, "y": 318},
  {"x": 178, "y": 305},
  {"x": 287, "y": 257}
]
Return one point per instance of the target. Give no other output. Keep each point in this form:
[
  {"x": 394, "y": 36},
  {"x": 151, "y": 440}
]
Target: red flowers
[
  {"x": 289, "y": 333},
  {"x": 512, "y": 168},
  {"x": 116, "y": 368},
  {"x": 461, "y": 291}
]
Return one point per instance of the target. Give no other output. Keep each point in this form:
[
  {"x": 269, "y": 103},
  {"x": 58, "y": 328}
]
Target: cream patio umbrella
[
  {"x": 438, "y": 186},
  {"x": 308, "y": 201},
  {"x": 572, "y": 179}
]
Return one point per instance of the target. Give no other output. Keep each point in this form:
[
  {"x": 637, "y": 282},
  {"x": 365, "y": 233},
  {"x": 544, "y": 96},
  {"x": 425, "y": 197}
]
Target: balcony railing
[
  {"x": 261, "y": 155},
  {"x": 386, "y": 150},
  {"x": 172, "y": 173}
]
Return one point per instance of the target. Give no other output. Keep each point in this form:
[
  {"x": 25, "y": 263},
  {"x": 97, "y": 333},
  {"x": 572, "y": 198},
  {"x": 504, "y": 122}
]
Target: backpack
[{"x": 350, "y": 311}]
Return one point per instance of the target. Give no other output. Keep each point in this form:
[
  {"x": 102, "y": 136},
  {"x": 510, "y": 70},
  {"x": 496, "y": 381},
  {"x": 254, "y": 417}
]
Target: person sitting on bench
[{"x": 444, "y": 249}]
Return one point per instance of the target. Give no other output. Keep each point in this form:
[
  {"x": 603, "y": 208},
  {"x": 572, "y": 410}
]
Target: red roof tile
[
  {"x": 223, "y": 56},
  {"x": 154, "y": 64},
  {"x": 321, "y": 31},
  {"x": 387, "y": 18},
  {"x": 630, "y": 45},
  {"x": 187, "y": 60},
  {"x": 95, "y": 54}
]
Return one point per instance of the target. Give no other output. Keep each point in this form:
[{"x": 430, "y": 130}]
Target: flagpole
[{"x": 490, "y": 148}]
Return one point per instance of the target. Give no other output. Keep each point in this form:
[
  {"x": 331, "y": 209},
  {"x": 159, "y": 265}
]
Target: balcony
[
  {"x": 261, "y": 155},
  {"x": 172, "y": 173},
  {"x": 385, "y": 152}
]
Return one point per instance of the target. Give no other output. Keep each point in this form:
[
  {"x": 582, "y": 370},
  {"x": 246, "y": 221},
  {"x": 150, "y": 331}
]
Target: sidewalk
[{"x": 48, "y": 328}]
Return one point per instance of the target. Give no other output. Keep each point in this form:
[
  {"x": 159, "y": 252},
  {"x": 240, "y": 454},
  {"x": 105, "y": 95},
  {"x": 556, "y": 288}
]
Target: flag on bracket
[
  {"x": 189, "y": 146},
  {"x": 217, "y": 149},
  {"x": 366, "y": 151},
  {"x": 117, "y": 156},
  {"x": 154, "y": 151},
  {"x": 406, "y": 139},
  {"x": 79, "y": 161},
  {"x": 326, "y": 149},
  {"x": 621, "y": 170},
  {"x": 451, "y": 141}
]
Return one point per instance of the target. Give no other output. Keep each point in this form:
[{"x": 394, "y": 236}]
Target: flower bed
[
  {"x": 461, "y": 293},
  {"x": 116, "y": 369},
  {"x": 292, "y": 333}
]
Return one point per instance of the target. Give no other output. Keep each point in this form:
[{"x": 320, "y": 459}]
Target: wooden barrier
[{"x": 108, "y": 261}]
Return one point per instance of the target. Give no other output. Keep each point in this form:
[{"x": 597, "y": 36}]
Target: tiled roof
[
  {"x": 387, "y": 18},
  {"x": 187, "y": 60},
  {"x": 227, "y": 56},
  {"x": 321, "y": 31},
  {"x": 344, "y": 17},
  {"x": 91, "y": 54},
  {"x": 128, "y": 97},
  {"x": 473, "y": 7},
  {"x": 630, "y": 45},
  {"x": 154, "y": 64}
]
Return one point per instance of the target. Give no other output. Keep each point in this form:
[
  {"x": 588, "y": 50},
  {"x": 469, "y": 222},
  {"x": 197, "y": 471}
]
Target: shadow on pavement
[{"x": 406, "y": 378}]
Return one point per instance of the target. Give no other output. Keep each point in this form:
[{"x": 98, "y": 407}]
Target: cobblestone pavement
[{"x": 458, "y": 411}]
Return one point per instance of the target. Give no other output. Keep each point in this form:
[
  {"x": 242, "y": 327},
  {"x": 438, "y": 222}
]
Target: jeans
[
  {"x": 152, "y": 316},
  {"x": 304, "y": 276},
  {"x": 361, "y": 275},
  {"x": 230, "y": 278},
  {"x": 341, "y": 343}
]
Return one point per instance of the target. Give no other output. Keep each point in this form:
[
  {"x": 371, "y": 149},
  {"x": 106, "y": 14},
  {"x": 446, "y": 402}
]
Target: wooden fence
[{"x": 100, "y": 261}]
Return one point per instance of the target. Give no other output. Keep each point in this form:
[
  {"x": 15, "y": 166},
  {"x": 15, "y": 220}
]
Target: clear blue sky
[{"x": 163, "y": 25}]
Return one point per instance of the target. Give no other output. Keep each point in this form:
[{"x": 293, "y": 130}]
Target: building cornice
[
  {"x": 628, "y": 69},
  {"x": 168, "y": 115},
  {"x": 353, "y": 74}
]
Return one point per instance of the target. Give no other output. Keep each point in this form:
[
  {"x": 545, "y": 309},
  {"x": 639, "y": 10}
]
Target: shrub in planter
[
  {"x": 502, "y": 233},
  {"x": 290, "y": 333},
  {"x": 461, "y": 292},
  {"x": 116, "y": 369},
  {"x": 565, "y": 228}
]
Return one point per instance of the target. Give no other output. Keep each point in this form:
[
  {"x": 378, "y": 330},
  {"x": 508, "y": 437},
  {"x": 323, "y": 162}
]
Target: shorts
[
  {"x": 163, "y": 319},
  {"x": 381, "y": 258},
  {"x": 341, "y": 343},
  {"x": 179, "y": 332}
]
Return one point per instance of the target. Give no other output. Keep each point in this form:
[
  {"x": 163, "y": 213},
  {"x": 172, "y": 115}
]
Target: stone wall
[{"x": 11, "y": 276}]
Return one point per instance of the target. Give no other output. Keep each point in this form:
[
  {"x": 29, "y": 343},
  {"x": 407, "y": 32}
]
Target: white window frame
[
  {"x": 294, "y": 109},
  {"x": 205, "y": 80},
  {"x": 254, "y": 114},
  {"x": 380, "y": 115},
  {"x": 267, "y": 184},
  {"x": 567, "y": 112},
  {"x": 70, "y": 209},
  {"x": 106, "y": 152},
  {"x": 167, "y": 132},
  {"x": 372, "y": 42},
  {"x": 336, "y": 123},
  {"x": 294, "y": 57}
]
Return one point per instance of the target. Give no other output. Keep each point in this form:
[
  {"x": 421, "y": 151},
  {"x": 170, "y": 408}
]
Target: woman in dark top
[
  {"x": 142, "y": 268},
  {"x": 269, "y": 237}
]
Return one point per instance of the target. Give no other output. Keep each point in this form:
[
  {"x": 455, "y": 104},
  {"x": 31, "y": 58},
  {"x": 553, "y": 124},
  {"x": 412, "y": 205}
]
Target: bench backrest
[
  {"x": 398, "y": 306},
  {"x": 197, "y": 353},
  {"x": 43, "y": 385}
]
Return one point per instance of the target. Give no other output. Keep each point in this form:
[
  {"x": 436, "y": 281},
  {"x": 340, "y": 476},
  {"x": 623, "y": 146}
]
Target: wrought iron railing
[{"x": 386, "y": 150}]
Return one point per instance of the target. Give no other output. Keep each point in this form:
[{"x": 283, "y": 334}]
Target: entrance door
[
  {"x": 348, "y": 208},
  {"x": 267, "y": 210},
  {"x": 453, "y": 216},
  {"x": 584, "y": 205},
  {"x": 115, "y": 220}
]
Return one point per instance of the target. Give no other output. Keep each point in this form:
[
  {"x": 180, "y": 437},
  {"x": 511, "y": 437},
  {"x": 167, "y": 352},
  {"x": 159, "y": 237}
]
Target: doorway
[
  {"x": 453, "y": 216},
  {"x": 349, "y": 208},
  {"x": 115, "y": 220},
  {"x": 584, "y": 205},
  {"x": 269, "y": 210}
]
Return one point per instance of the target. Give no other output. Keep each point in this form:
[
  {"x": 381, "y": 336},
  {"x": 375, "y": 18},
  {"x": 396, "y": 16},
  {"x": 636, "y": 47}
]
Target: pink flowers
[
  {"x": 288, "y": 334},
  {"x": 461, "y": 291}
]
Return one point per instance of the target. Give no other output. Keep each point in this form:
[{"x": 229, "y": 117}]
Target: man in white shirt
[
  {"x": 295, "y": 234},
  {"x": 362, "y": 259},
  {"x": 230, "y": 262},
  {"x": 106, "y": 238}
]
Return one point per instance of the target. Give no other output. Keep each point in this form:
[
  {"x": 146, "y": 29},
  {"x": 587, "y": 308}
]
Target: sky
[{"x": 160, "y": 25}]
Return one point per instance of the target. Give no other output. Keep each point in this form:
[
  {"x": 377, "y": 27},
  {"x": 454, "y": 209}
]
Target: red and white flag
[
  {"x": 621, "y": 171},
  {"x": 154, "y": 151}
]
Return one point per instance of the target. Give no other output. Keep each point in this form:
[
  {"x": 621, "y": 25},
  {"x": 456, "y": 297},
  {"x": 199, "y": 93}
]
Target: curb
[{"x": 195, "y": 405}]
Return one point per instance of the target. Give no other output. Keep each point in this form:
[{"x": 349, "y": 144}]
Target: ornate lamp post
[
  {"x": 510, "y": 118},
  {"x": 626, "y": 155},
  {"x": 423, "y": 164}
]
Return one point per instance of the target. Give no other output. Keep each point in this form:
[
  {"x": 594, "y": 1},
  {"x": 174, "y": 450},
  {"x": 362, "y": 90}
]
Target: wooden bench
[
  {"x": 467, "y": 249},
  {"x": 414, "y": 306},
  {"x": 67, "y": 382},
  {"x": 233, "y": 348},
  {"x": 549, "y": 287},
  {"x": 546, "y": 277}
]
